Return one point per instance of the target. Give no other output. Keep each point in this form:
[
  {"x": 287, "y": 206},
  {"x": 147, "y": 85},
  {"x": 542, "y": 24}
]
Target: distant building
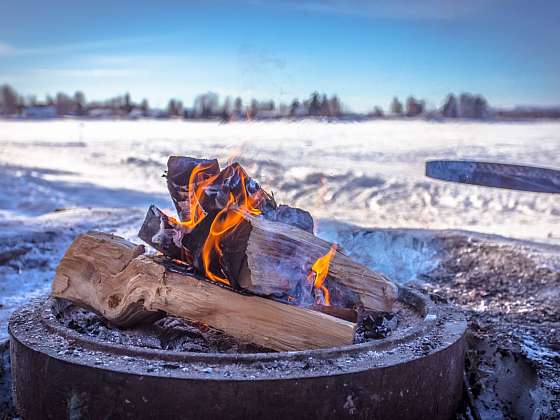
[
  {"x": 267, "y": 114},
  {"x": 158, "y": 113},
  {"x": 300, "y": 110},
  {"x": 39, "y": 112},
  {"x": 528, "y": 112},
  {"x": 100, "y": 113},
  {"x": 136, "y": 113}
]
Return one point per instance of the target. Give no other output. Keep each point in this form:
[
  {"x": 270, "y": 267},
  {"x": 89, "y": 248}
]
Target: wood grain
[{"x": 110, "y": 276}]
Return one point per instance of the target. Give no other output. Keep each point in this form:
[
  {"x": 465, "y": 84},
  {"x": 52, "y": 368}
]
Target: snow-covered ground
[{"x": 366, "y": 173}]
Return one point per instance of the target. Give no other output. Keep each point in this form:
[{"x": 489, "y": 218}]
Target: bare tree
[
  {"x": 253, "y": 109},
  {"x": 64, "y": 104},
  {"x": 294, "y": 107},
  {"x": 226, "y": 109},
  {"x": 175, "y": 108},
  {"x": 450, "y": 108},
  {"x": 80, "y": 103},
  {"x": 127, "y": 103},
  {"x": 378, "y": 112},
  {"x": 396, "y": 106},
  {"x": 144, "y": 107},
  {"x": 238, "y": 107},
  {"x": 206, "y": 105},
  {"x": 335, "y": 107},
  {"x": 414, "y": 107},
  {"x": 314, "y": 104},
  {"x": 480, "y": 107},
  {"x": 472, "y": 106},
  {"x": 8, "y": 100},
  {"x": 324, "y": 108}
]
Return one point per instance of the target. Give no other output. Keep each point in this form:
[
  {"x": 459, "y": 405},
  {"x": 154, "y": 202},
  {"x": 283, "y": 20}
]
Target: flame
[
  {"x": 318, "y": 274},
  {"x": 226, "y": 221},
  {"x": 199, "y": 180}
]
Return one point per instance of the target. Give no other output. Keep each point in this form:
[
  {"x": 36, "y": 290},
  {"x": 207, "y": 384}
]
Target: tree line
[
  {"x": 465, "y": 105},
  {"x": 205, "y": 106},
  {"x": 210, "y": 106}
]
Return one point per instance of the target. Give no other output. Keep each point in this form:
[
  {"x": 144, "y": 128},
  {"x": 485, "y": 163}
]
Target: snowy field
[
  {"x": 59, "y": 178},
  {"x": 370, "y": 174}
]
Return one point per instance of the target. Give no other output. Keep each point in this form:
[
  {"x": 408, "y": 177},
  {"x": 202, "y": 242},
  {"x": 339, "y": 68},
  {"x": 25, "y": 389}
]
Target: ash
[
  {"x": 167, "y": 333},
  {"x": 375, "y": 326},
  {"x": 179, "y": 335}
]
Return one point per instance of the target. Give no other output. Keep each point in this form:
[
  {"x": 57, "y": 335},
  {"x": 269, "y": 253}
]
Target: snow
[
  {"x": 366, "y": 173},
  {"x": 106, "y": 174}
]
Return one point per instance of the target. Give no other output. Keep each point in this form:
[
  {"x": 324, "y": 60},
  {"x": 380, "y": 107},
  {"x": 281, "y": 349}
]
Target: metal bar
[{"x": 497, "y": 175}]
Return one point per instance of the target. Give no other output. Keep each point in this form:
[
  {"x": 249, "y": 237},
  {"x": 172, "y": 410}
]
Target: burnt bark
[{"x": 179, "y": 170}]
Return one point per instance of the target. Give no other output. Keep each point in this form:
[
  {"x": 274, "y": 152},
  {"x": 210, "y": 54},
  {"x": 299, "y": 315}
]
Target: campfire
[
  {"x": 240, "y": 311},
  {"x": 232, "y": 259}
]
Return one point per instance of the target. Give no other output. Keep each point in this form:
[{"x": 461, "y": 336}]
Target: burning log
[
  {"x": 183, "y": 176},
  {"x": 161, "y": 232},
  {"x": 110, "y": 275},
  {"x": 232, "y": 232},
  {"x": 199, "y": 189},
  {"x": 275, "y": 259},
  {"x": 291, "y": 216},
  {"x": 281, "y": 259},
  {"x": 165, "y": 234}
]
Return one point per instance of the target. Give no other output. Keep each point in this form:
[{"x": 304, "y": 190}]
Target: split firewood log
[
  {"x": 112, "y": 277},
  {"x": 272, "y": 258}
]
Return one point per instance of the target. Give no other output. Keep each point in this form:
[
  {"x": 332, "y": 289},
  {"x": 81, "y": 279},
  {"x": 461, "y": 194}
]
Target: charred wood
[{"x": 179, "y": 171}]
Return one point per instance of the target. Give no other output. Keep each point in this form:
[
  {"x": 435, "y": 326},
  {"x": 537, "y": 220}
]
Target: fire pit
[
  {"x": 414, "y": 373},
  {"x": 270, "y": 320}
]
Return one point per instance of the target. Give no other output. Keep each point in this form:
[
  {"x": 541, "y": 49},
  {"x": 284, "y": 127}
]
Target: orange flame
[
  {"x": 199, "y": 180},
  {"x": 319, "y": 272},
  {"x": 226, "y": 221}
]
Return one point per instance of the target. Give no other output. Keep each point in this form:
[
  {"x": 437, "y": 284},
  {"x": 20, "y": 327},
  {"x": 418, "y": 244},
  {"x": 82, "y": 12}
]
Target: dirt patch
[{"x": 510, "y": 294}]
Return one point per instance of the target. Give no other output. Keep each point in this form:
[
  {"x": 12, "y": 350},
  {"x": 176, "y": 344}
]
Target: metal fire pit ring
[{"x": 415, "y": 373}]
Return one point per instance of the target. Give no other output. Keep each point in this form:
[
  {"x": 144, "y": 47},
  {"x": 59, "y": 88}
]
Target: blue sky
[{"x": 366, "y": 52}]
